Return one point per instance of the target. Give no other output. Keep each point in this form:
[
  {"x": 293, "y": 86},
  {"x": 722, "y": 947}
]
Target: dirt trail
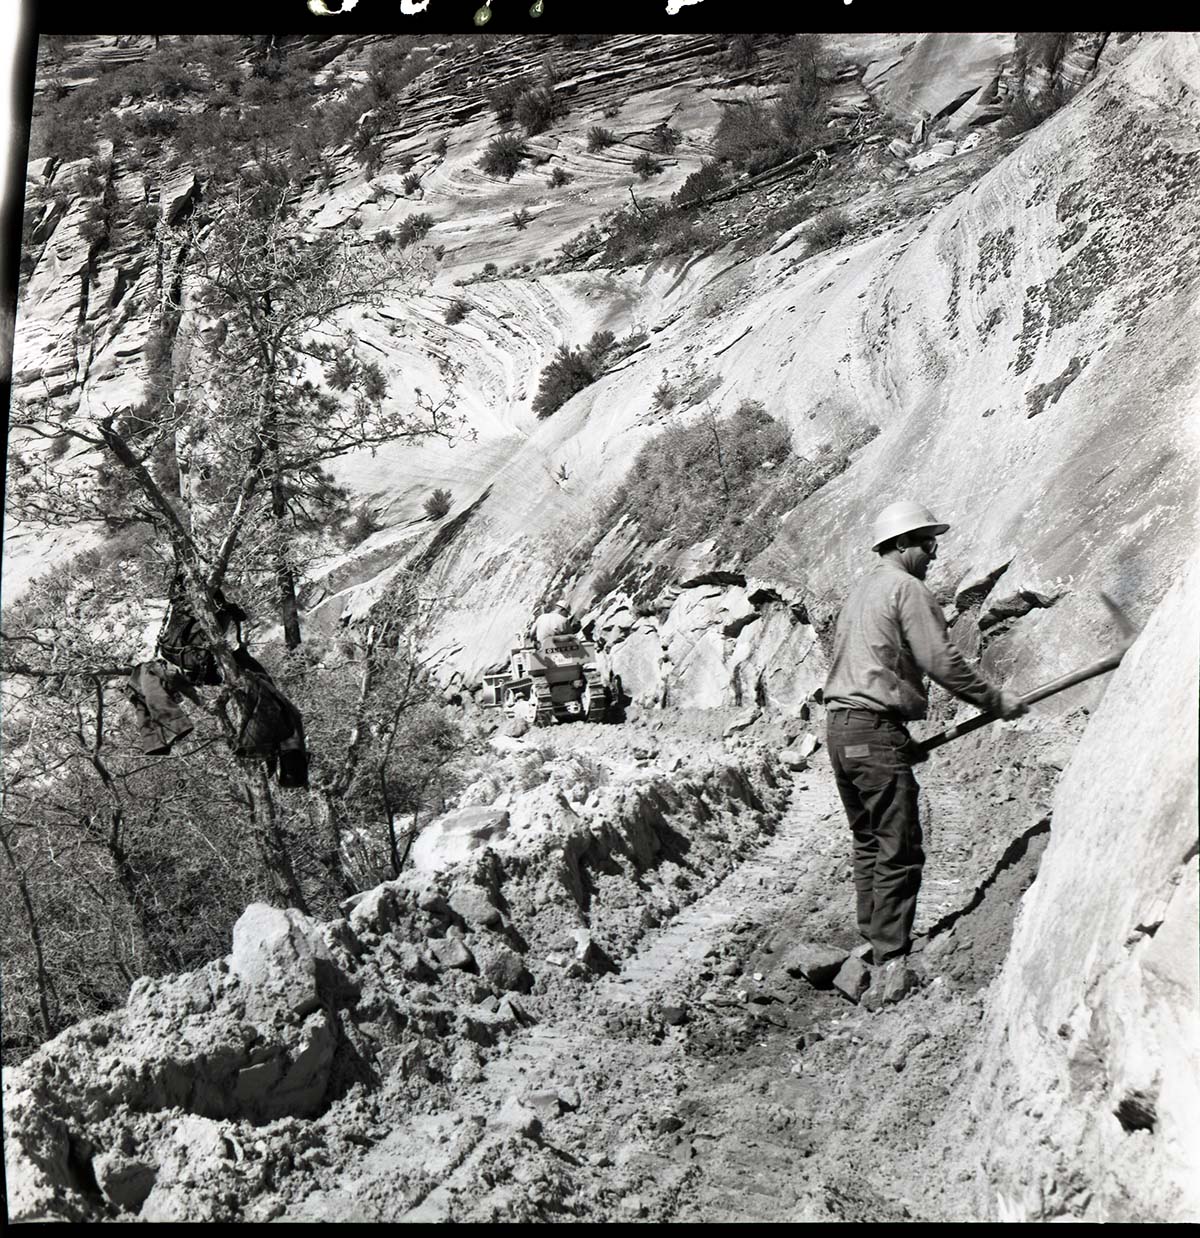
[{"x": 700, "y": 1081}]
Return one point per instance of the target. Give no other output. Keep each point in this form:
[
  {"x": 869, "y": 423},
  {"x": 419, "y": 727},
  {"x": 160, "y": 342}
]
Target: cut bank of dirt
[{"x": 626, "y": 1042}]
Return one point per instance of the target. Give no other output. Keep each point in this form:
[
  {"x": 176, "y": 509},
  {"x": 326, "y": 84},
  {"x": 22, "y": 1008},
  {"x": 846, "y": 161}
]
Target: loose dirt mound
[{"x": 587, "y": 1012}]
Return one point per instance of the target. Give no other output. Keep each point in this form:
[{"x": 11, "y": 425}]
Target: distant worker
[
  {"x": 890, "y": 633},
  {"x": 554, "y": 622}
]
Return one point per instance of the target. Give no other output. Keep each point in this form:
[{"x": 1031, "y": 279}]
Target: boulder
[
  {"x": 502, "y": 966},
  {"x": 853, "y": 978},
  {"x": 452, "y": 953},
  {"x": 178, "y": 196},
  {"x": 474, "y": 905},
  {"x": 891, "y": 983},
  {"x": 818, "y": 964},
  {"x": 125, "y": 1180},
  {"x": 979, "y": 109},
  {"x": 517, "y": 1117},
  {"x": 282, "y": 961},
  {"x": 742, "y": 721},
  {"x": 374, "y": 911},
  {"x": 456, "y": 837}
]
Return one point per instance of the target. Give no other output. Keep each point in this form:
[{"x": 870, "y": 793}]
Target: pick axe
[{"x": 1128, "y": 632}]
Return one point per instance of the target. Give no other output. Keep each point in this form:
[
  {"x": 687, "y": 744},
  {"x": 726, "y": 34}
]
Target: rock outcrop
[{"x": 1088, "y": 1047}]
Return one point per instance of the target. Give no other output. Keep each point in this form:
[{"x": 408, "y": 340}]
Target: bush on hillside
[
  {"x": 413, "y": 228},
  {"x": 503, "y": 155},
  {"x": 655, "y": 231},
  {"x": 521, "y": 219},
  {"x": 827, "y": 229},
  {"x": 740, "y": 51},
  {"x": 664, "y": 139},
  {"x": 412, "y": 182},
  {"x": 646, "y": 166},
  {"x": 438, "y": 504},
  {"x": 570, "y": 370},
  {"x": 456, "y": 311},
  {"x": 536, "y": 110},
  {"x": 598, "y": 138},
  {"x": 559, "y": 177},
  {"x": 757, "y": 134},
  {"x": 502, "y": 99},
  {"x": 705, "y": 180}
]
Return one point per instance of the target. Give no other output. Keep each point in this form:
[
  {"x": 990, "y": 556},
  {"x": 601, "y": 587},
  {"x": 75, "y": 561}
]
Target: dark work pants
[{"x": 871, "y": 758}]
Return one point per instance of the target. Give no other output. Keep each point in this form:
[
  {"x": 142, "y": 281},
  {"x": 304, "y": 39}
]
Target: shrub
[
  {"x": 797, "y": 114},
  {"x": 665, "y": 396},
  {"x": 664, "y": 139},
  {"x": 827, "y": 229},
  {"x": 503, "y": 155},
  {"x": 456, "y": 311},
  {"x": 438, "y": 504},
  {"x": 361, "y": 526},
  {"x": 490, "y": 268},
  {"x": 743, "y": 135},
  {"x": 654, "y": 231},
  {"x": 571, "y": 370},
  {"x": 646, "y": 166},
  {"x": 503, "y": 99},
  {"x": 413, "y": 228},
  {"x": 559, "y": 177},
  {"x": 613, "y": 109},
  {"x": 441, "y": 145},
  {"x": 598, "y": 138},
  {"x": 384, "y": 238},
  {"x": 536, "y": 110},
  {"x": 705, "y": 180},
  {"x": 412, "y": 182},
  {"x": 521, "y": 219}
]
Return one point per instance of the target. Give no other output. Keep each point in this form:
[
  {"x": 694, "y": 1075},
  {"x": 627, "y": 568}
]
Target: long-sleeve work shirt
[
  {"x": 890, "y": 634},
  {"x": 552, "y": 623}
]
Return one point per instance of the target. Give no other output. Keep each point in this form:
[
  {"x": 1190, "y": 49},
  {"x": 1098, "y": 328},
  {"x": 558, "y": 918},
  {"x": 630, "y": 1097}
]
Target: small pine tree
[{"x": 438, "y": 504}]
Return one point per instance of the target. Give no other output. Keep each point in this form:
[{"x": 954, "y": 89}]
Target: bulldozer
[{"x": 559, "y": 682}]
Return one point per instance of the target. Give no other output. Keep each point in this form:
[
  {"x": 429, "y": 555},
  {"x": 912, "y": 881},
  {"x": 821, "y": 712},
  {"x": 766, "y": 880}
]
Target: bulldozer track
[
  {"x": 595, "y": 697},
  {"x": 545, "y": 703}
]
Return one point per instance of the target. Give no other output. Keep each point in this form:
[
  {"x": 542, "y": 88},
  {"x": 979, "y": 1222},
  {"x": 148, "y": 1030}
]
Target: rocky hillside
[{"x": 600, "y": 987}]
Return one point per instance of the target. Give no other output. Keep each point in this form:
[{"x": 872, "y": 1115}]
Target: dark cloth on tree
[
  {"x": 154, "y": 688},
  {"x": 272, "y": 728},
  {"x": 183, "y": 641}
]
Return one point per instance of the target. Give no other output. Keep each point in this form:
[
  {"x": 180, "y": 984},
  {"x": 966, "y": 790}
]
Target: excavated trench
[{"x": 589, "y": 1015}]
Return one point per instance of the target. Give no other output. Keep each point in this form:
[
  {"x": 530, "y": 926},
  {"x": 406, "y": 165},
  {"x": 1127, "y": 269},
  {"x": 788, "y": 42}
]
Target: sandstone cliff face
[{"x": 1088, "y": 1052}]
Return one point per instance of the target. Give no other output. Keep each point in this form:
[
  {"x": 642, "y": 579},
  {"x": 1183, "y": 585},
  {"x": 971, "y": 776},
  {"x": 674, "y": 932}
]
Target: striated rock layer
[{"x": 1089, "y": 1042}]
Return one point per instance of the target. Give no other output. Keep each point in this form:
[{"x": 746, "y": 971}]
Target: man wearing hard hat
[
  {"x": 890, "y": 634},
  {"x": 554, "y": 622}
]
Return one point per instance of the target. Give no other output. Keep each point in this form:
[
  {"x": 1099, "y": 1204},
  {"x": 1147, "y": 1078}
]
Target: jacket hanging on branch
[
  {"x": 154, "y": 688},
  {"x": 272, "y": 728},
  {"x": 182, "y": 640}
]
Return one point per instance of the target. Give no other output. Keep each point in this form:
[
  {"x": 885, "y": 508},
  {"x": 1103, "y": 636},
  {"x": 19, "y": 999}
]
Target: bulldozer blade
[{"x": 1061, "y": 684}]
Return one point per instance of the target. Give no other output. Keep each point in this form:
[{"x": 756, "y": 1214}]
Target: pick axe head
[{"x": 1121, "y": 619}]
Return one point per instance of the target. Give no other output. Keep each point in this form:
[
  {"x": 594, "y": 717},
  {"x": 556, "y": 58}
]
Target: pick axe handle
[{"x": 1038, "y": 694}]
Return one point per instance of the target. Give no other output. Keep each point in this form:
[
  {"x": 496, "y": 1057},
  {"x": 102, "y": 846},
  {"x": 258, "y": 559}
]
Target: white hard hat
[
  {"x": 561, "y": 604},
  {"x": 903, "y": 517}
]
